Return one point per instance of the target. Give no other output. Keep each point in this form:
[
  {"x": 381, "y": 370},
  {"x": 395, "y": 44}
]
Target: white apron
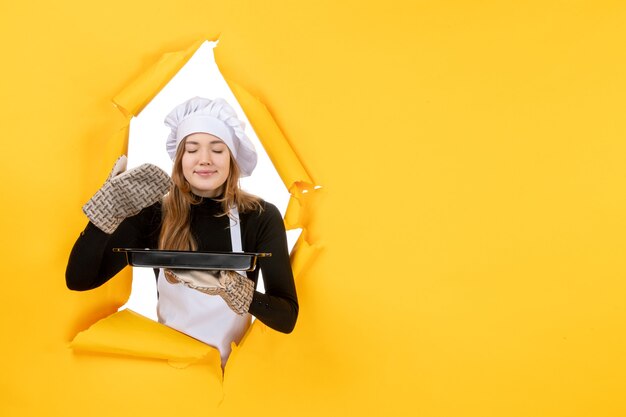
[{"x": 201, "y": 316}]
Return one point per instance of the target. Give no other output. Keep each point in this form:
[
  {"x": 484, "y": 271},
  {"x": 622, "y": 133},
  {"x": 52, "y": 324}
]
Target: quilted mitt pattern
[
  {"x": 234, "y": 288},
  {"x": 125, "y": 195}
]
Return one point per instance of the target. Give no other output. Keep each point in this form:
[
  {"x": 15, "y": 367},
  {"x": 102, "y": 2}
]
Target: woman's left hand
[{"x": 234, "y": 288}]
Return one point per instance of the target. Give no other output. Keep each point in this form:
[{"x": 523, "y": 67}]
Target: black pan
[{"x": 220, "y": 261}]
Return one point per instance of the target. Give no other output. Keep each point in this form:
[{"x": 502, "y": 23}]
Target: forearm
[
  {"x": 279, "y": 313},
  {"x": 84, "y": 267},
  {"x": 92, "y": 261},
  {"x": 278, "y": 306}
]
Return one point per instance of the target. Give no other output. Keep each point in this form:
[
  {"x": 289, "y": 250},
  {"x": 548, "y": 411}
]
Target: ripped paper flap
[
  {"x": 144, "y": 88},
  {"x": 276, "y": 145},
  {"x": 131, "y": 334}
]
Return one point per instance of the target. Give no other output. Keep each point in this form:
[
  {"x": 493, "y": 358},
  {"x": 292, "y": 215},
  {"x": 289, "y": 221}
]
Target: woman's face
[{"x": 206, "y": 164}]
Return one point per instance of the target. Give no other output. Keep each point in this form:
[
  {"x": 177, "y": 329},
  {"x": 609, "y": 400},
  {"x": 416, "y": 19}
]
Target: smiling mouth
[{"x": 205, "y": 173}]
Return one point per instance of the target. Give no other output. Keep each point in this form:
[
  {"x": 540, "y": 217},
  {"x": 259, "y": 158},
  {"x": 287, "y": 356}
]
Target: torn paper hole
[
  {"x": 286, "y": 166},
  {"x": 200, "y": 76}
]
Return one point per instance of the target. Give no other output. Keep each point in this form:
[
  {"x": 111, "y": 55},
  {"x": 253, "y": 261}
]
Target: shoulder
[
  {"x": 269, "y": 207},
  {"x": 266, "y": 214},
  {"x": 266, "y": 210}
]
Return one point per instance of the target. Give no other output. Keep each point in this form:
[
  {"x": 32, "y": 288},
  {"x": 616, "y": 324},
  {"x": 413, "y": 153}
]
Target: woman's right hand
[{"x": 126, "y": 193}]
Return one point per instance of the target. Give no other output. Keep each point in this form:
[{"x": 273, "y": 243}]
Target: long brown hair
[{"x": 176, "y": 233}]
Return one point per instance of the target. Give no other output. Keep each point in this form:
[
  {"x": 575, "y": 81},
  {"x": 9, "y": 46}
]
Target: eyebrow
[{"x": 213, "y": 142}]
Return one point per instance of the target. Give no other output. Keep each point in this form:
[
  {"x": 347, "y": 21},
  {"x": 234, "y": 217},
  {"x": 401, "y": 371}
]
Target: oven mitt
[
  {"x": 125, "y": 194},
  {"x": 234, "y": 288}
]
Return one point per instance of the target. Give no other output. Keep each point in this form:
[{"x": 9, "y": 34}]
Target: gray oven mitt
[
  {"x": 125, "y": 194},
  {"x": 234, "y": 288}
]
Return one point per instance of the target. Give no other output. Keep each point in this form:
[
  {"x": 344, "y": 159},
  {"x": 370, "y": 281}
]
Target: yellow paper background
[{"x": 472, "y": 215}]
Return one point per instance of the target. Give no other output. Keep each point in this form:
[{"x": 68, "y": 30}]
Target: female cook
[{"x": 204, "y": 210}]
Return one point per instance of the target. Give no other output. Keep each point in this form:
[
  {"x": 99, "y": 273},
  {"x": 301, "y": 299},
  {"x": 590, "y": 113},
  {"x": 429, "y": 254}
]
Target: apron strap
[{"x": 235, "y": 230}]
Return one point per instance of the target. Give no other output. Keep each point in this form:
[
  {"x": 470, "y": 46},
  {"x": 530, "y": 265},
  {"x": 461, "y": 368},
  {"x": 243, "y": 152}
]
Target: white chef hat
[{"x": 216, "y": 117}]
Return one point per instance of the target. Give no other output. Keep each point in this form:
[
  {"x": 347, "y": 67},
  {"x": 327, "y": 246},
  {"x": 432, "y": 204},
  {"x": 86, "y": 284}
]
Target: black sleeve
[
  {"x": 278, "y": 307},
  {"x": 92, "y": 261}
]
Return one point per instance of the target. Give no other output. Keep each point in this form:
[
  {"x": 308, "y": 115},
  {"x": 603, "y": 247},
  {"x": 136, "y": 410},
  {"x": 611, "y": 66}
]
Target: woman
[{"x": 204, "y": 210}]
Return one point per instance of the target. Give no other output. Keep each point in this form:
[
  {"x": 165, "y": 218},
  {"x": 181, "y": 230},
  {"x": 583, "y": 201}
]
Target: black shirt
[{"x": 92, "y": 261}]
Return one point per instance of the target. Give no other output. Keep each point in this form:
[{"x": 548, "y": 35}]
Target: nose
[{"x": 205, "y": 157}]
